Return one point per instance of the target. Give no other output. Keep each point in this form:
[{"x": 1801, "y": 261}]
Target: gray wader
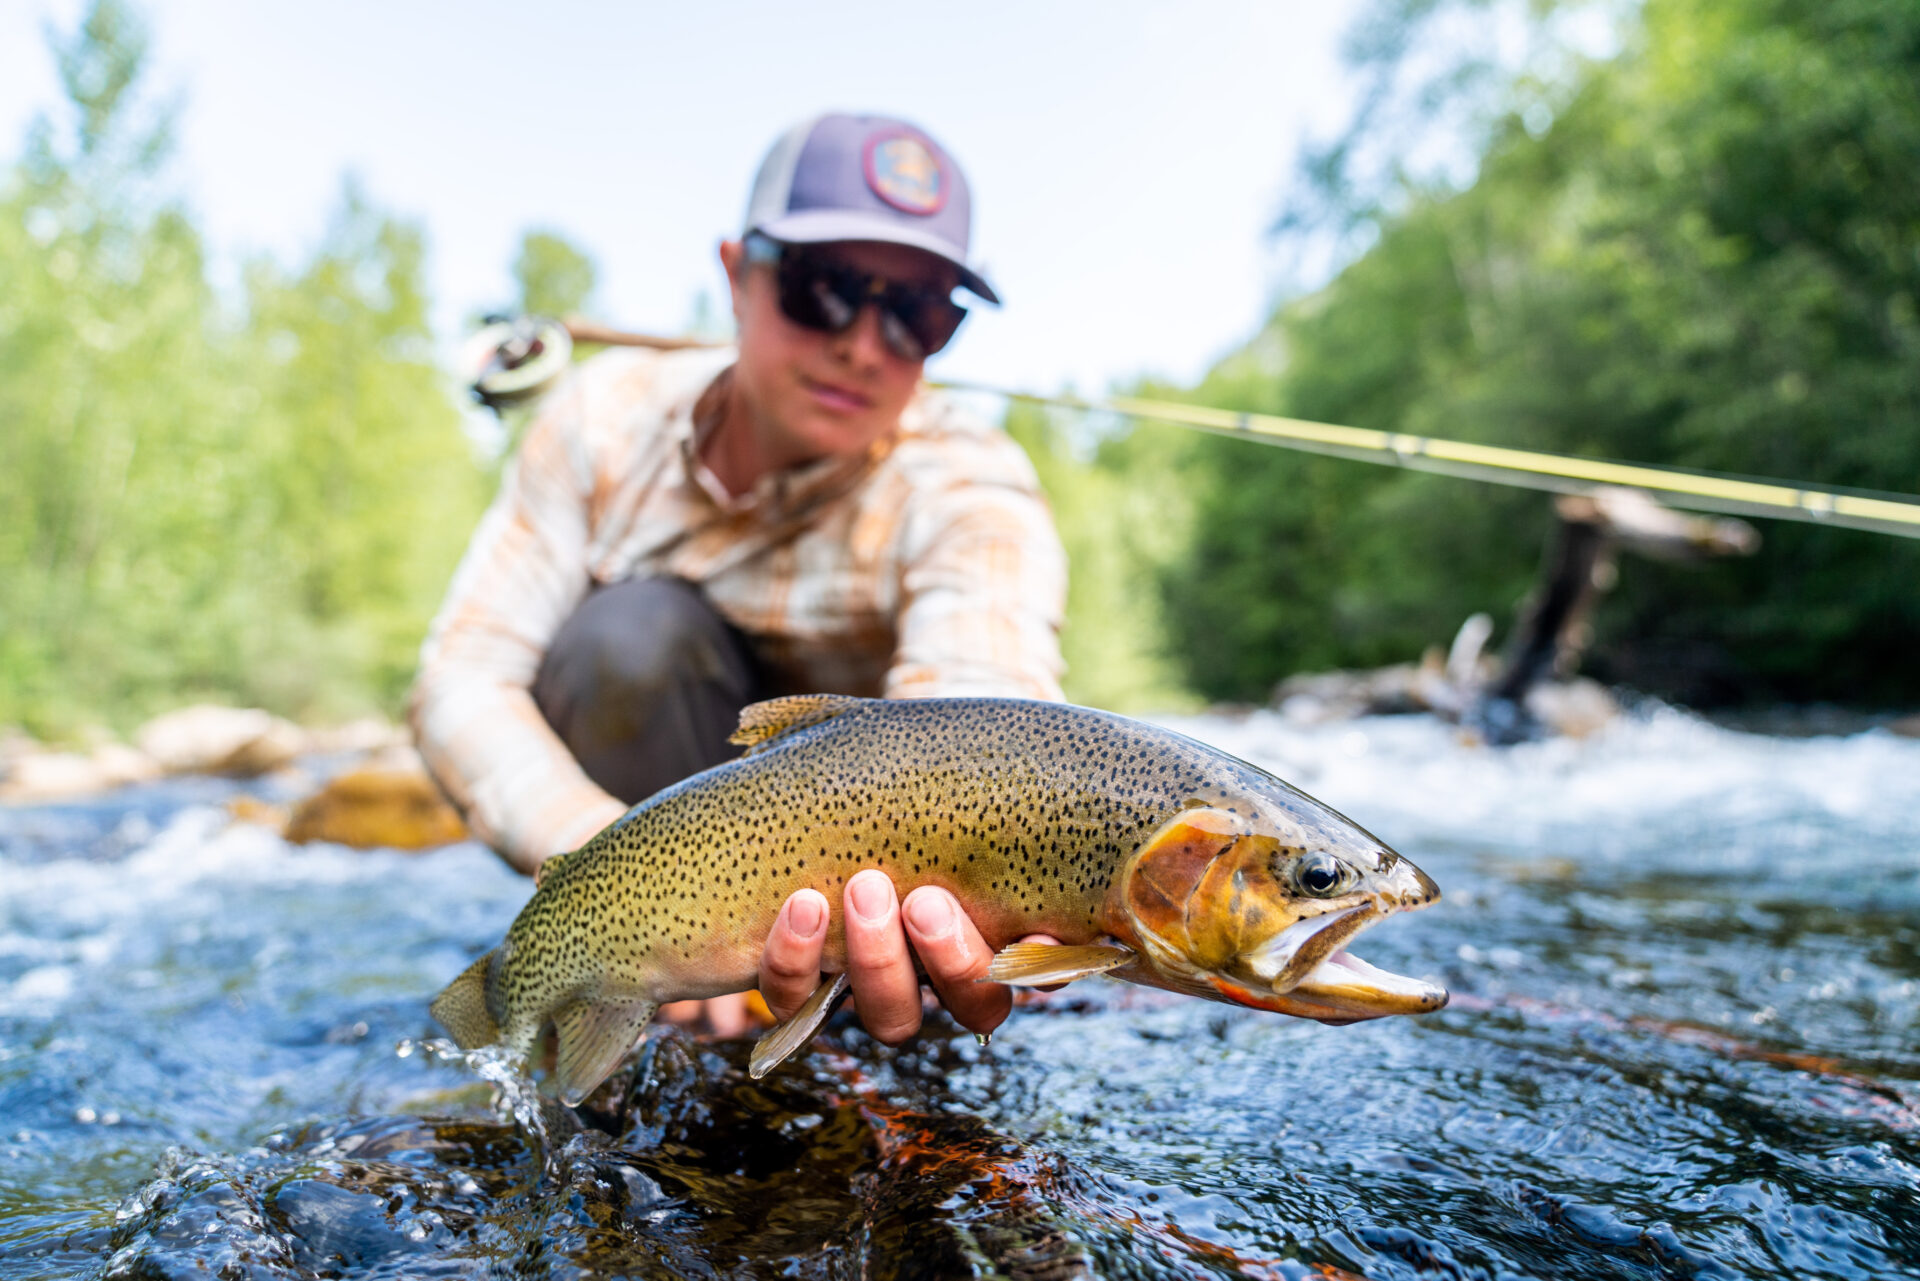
[{"x": 644, "y": 683}]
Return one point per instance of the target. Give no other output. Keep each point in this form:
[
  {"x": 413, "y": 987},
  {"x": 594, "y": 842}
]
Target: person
[{"x": 683, "y": 533}]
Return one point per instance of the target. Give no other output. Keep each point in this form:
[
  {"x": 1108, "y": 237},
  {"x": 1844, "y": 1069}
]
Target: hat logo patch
[{"x": 906, "y": 173}]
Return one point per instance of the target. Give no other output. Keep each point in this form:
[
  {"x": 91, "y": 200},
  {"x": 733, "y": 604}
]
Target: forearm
[
  {"x": 472, "y": 710},
  {"x": 495, "y": 755}
]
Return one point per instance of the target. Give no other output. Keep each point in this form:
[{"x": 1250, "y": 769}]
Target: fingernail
[
  {"x": 805, "y": 915},
  {"x": 931, "y": 914},
  {"x": 870, "y": 896}
]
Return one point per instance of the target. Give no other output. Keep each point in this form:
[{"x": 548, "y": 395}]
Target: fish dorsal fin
[
  {"x": 548, "y": 867},
  {"x": 1043, "y": 964},
  {"x": 593, "y": 1036},
  {"x": 761, "y": 723},
  {"x": 773, "y": 1049}
]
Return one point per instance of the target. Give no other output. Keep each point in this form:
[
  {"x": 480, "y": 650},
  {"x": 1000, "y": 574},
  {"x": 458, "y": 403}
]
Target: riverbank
[
  {"x": 376, "y": 762},
  {"x": 360, "y": 784}
]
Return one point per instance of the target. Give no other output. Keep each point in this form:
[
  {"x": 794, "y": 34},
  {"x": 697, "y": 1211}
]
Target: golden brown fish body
[{"x": 1154, "y": 857}]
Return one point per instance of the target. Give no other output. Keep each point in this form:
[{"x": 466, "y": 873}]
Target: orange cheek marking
[{"x": 1167, "y": 871}]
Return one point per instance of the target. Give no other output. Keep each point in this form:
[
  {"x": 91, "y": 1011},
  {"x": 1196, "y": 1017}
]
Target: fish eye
[{"x": 1323, "y": 875}]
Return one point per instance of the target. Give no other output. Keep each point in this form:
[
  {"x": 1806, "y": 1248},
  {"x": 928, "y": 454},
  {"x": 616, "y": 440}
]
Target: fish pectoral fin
[
  {"x": 787, "y": 1036},
  {"x": 593, "y": 1036},
  {"x": 761, "y": 723},
  {"x": 1040, "y": 964}
]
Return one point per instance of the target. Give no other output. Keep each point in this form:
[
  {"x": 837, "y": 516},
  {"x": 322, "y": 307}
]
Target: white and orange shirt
[{"x": 926, "y": 566}]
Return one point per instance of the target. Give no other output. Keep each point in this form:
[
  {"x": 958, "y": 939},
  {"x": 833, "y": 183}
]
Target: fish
[{"x": 1153, "y": 858}]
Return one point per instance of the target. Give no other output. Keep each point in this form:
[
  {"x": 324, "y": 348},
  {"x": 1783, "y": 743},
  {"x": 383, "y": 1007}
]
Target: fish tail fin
[
  {"x": 594, "y": 1036},
  {"x": 463, "y": 1010}
]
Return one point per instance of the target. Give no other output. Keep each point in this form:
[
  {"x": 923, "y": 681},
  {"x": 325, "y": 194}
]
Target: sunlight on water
[{"x": 1685, "y": 1041}]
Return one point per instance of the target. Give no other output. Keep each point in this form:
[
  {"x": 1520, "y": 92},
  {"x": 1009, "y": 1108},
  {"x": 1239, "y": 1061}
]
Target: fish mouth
[
  {"x": 1350, "y": 989},
  {"x": 1312, "y": 974}
]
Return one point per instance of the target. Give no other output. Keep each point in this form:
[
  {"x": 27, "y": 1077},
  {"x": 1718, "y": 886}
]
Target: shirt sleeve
[
  {"x": 472, "y": 707},
  {"x": 982, "y": 593}
]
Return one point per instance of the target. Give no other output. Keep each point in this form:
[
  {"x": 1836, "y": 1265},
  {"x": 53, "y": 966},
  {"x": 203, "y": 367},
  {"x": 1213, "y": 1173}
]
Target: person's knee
[
  {"x": 635, "y": 639},
  {"x": 644, "y": 683}
]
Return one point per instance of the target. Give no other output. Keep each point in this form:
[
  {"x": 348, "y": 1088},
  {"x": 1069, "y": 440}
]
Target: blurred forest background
[{"x": 1701, "y": 249}]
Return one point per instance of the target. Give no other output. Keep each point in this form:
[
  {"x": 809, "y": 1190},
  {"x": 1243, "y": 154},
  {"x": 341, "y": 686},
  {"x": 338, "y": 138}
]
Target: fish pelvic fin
[
  {"x": 593, "y": 1037},
  {"x": 1042, "y": 964},
  {"x": 462, "y": 1008},
  {"x": 762, "y": 723},
  {"x": 789, "y": 1035}
]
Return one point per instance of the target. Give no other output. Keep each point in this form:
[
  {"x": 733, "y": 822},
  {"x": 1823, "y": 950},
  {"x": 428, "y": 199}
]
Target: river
[{"x": 1684, "y": 1041}]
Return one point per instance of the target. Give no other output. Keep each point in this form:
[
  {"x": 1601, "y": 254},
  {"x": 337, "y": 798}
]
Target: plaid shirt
[{"x": 926, "y": 566}]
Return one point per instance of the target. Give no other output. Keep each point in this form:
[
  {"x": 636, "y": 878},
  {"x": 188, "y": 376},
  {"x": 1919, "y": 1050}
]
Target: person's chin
[
  {"x": 837, "y": 435},
  {"x": 834, "y": 424}
]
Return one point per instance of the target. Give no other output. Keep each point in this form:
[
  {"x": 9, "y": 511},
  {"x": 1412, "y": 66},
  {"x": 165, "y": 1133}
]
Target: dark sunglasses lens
[
  {"x": 808, "y": 297},
  {"x": 899, "y": 337},
  {"x": 930, "y": 318},
  {"x": 825, "y": 296},
  {"x": 835, "y": 311}
]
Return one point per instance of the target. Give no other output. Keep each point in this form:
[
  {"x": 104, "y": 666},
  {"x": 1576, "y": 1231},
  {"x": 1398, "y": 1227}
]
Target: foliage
[
  {"x": 257, "y": 504},
  {"x": 1119, "y": 530},
  {"x": 555, "y": 277},
  {"x": 1707, "y": 257}
]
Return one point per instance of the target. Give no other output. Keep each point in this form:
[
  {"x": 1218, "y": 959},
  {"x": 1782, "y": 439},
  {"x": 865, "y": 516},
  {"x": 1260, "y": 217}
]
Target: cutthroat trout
[{"x": 1151, "y": 857}]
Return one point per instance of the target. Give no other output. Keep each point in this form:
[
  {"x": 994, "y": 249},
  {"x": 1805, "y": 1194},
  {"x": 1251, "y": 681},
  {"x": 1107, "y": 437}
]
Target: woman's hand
[{"x": 886, "y": 989}]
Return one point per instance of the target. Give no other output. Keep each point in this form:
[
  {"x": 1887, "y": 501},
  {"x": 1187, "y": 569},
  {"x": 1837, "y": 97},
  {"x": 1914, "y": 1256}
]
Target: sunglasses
[{"x": 821, "y": 293}]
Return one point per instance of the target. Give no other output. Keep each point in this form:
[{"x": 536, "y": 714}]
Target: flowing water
[{"x": 1684, "y": 1041}]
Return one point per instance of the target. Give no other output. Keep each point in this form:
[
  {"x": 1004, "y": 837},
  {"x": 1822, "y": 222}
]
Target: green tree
[
  {"x": 1706, "y": 257},
  {"x": 1119, "y": 530},
  {"x": 367, "y": 488},
  {"x": 109, "y": 335},
  {"x": 555, "y": 278},
  {"x": 259, "y": 506}
]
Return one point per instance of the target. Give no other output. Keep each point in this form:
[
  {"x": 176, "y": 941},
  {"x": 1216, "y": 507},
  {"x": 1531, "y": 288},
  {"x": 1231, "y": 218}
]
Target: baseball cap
[{"x": 844, "y": 177}]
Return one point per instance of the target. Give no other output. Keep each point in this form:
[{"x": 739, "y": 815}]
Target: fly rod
[{"x": 514, "y": 360}]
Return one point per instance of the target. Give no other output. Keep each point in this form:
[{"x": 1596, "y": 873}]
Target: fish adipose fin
[
  {"x": 762, "y": 723},
  {"x": 593, "y": 1037},
  {"x": 773, "y": 1049},
  {"x": 1041, "y": 964},
  {"x": 462, "y": 1008}
]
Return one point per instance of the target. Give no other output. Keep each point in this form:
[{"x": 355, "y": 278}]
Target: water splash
[{"x": 516, "y": 1096}]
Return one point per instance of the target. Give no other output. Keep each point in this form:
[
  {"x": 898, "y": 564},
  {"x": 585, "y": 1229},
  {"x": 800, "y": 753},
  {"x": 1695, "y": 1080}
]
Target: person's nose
[{"x": 861, "y": 344}]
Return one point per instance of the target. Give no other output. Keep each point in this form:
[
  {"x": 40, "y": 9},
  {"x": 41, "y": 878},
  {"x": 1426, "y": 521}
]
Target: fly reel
[{"x": 511, "y": 361}]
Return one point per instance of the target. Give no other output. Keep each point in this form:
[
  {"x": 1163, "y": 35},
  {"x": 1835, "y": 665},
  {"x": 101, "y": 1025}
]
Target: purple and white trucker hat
[{"x": 840, "y": 177}]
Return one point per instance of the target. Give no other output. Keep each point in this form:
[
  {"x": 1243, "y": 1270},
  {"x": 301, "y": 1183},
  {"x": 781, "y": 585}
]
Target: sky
[{"x": 1125, "y": 157}]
